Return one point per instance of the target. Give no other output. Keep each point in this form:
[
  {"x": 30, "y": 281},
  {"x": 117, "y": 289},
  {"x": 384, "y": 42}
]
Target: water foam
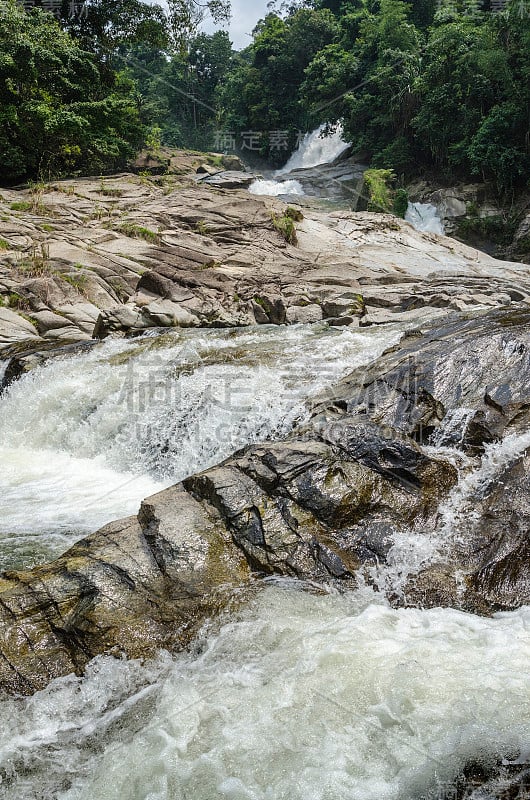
[
  {"x": 297, "y": 697},
  {"x": 84, "y": 439},
  {"x": 424, "y": 217},
  {"x": 276, "y": 188}
]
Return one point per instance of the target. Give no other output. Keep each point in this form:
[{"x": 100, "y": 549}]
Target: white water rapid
[
  {"x": 276, "y": 188},
  {"x": 424, "y": 217},
  {"x": 298, "y": 696},
  {"x": 313, "y": 150},
  {"x": 85, "y": 438}
]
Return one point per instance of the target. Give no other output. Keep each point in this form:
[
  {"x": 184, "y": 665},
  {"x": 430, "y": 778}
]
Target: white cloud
[{"x": 245, "y": 14}]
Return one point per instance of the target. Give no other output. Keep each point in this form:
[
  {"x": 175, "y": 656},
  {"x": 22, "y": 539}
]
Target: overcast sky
[{"x": 245, "y": 14}]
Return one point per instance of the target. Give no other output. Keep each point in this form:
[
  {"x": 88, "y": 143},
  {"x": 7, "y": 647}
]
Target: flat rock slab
[{"x": 88, "y": 249}]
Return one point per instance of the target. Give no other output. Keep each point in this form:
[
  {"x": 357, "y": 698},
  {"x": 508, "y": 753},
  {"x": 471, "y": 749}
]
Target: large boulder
[
  {"x": 134, "y": 586},
  {"x": 464, "y": 383}
]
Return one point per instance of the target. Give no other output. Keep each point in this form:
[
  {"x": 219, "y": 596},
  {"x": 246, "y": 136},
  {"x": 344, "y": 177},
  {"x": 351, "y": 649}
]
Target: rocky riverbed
[
  {"x": 120, "y": 255},
  {"x": 395, "y": 481},
  {"x": 335, "y": 516}
]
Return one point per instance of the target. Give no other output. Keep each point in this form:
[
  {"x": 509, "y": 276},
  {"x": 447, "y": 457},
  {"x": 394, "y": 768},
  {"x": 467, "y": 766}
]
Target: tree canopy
[{"x": 418, "y": 86}]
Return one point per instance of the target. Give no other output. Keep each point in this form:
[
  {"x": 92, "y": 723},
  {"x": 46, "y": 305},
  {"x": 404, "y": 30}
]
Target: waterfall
[
  {"x": 424, "y": 217},
  {"x": 84, "y": 439},
  {"x": 313, "y": 150}
]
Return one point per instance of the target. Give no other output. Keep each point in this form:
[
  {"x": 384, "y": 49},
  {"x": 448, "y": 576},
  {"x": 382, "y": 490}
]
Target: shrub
[{"x": 401, "y": 203}]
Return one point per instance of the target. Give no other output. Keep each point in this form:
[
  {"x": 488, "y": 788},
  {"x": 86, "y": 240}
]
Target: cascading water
[
  {"x": 276, "y": 188},
  {"x": 313, "y": 150},
  {"x": 424, "y": 217},
  {"x": 84, "y": 439},
  {"x": 298, "y": 695}
]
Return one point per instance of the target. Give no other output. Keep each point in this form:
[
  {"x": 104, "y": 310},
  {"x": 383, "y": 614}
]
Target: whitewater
[{"x": 301, "y": 693}]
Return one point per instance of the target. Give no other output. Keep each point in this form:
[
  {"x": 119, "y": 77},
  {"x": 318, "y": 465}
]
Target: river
[{"x": 301, "y": 694}]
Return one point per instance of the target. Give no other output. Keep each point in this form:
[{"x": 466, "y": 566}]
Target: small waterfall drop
[
  {"x": 276, "y": 188},
  {"x": 84, "y": 439},
  {"x": 424, "y": 217},
  {"x": 314, "y": 150}
]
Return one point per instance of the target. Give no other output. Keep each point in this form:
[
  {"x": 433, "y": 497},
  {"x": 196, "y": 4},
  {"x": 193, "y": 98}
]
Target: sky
[{"x": 245, "y": 14}]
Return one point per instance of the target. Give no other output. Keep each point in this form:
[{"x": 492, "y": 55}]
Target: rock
[
  {"x": 167, "y": 314},
  {"x": 153, "y": 163},
  {"x": 497, "y": 549},
  {"x": 51, "y": 325},
  {"x": 232, "y": 163},
  {"x": 135, "y": 586},
  {"x": 467, "y": 382},
  {"x": 273, "y": 308},
  {"x": 230, "y": 179},
  {"x": 129, "y": 241},
  {"x": 207, "y": 169},
  {"x": 15, "y": 328},
  {"x": 343, "y": 305},
  {"x": 342, "y": 179},
  {"x": 519, "y": 249},
  {"x": 483, "y": 779},
  {"x": 121, "y": 318},
  {"x": 304, "y": 314}
]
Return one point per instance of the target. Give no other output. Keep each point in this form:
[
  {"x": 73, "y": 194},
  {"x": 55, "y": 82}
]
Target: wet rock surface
[
  {"x": 464, "y": 383},
  {"x": 327, "y": 504},
  {"x": 134, "y": 586}
]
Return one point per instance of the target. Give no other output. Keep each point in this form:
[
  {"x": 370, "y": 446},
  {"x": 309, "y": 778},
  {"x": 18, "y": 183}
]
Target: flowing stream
[
  {"x": 85, "y": 438},
  {"x": 297, "y": 696}
]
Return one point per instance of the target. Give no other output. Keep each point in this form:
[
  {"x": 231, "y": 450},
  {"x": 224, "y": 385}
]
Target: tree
[
  {"x": 262, "y": 91},
  {"x": 186, "y": 16},
  {"x": 57, "y": 115}
]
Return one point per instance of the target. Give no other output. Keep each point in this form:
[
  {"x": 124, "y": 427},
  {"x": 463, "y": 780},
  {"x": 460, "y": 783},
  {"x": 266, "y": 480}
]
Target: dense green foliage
[
  {"x": 59, "y": 113},
  {"x": 83, "y": 93},
  {"x": 425, "y": 87},
  {"x": 416, "y": 88}
]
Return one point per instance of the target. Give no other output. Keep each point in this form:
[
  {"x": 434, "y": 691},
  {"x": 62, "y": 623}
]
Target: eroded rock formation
[{"x": 325, "y": 505}]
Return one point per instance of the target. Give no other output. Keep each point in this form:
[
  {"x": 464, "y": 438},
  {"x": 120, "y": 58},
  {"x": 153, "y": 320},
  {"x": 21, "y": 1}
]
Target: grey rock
[
  {"x": 304, "y": 314},
  {"x": 230, "y": 179}
]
